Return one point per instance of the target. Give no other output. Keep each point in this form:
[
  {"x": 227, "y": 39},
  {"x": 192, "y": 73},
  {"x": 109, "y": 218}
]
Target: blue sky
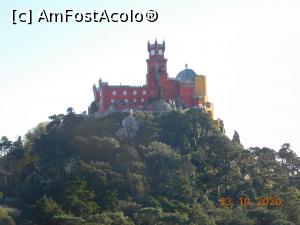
[{"x": 249, "y": 51}]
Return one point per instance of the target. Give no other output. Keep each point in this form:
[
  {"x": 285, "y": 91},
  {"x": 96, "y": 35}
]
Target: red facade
[{"x": 158, "y": 85}]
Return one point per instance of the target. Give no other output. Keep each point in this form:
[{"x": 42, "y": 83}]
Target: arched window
[
  {"x": 114, "y": 92},
  {"x": 134, "y": 92},
  {"x": 124, "y": 92},
  {"x": 144, "y": 92}
]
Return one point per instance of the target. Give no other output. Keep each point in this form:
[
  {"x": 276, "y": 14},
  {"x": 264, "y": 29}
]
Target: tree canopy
[{"x": 76, "y": 170}]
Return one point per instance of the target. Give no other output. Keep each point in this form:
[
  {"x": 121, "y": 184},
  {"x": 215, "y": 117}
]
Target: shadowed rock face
[
  {"x": 130, "y": 127},
  {"x": 111, "y": 109},
  {"x": 186, "y": 76},
  {"x": 161, "y": 106}
]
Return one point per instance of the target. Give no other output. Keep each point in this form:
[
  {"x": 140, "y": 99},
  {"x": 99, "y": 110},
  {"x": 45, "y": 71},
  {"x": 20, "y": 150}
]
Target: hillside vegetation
[{"x": 173, "y": 170}]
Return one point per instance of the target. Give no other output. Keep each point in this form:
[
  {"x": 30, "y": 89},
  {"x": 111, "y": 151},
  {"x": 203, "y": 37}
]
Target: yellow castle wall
[
  {"x": 200, "y": 90},
  {"x": 200, "y": 85}
]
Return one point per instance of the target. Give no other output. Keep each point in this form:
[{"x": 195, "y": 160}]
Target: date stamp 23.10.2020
[{"x": 266, "y": 201}]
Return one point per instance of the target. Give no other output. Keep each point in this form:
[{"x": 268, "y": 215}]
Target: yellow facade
[
  {"x": 200, "y": 90},
  {"x": 200, "y": 85}
]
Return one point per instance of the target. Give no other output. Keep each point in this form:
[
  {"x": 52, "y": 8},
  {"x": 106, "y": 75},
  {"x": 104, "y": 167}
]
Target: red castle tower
[
  {"x": 156, "y": 70},
  {"x": 185, "y": 91}
]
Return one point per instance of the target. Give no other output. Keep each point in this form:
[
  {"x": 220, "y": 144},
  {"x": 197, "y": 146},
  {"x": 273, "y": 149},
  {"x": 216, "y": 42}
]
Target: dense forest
[{"x": 175, "y": 168}]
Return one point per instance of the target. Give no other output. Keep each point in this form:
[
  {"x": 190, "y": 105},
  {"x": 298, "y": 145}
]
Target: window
[
  {"x": 134, "y": 92},
  {"x": 134, "y": 100},
  {"x": 114, "y": 92},
  {"x": 126, "y": 100},
  {"x": 160, "y": 52},
  {"x": 144, "y": 92},
  {"x": 124, "y": 92},
  {"x": 112, "y": 100},
  {"x": 142, "y": 100},
  {"x": 152, "y": 69}
]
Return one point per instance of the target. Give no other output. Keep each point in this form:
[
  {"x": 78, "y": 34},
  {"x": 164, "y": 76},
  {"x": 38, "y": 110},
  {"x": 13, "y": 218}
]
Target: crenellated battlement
[{"x": 186, "y": 90}]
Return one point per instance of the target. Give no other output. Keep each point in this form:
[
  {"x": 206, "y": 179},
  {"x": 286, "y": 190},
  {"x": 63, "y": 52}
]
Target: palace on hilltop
[{"x": 160, "y": 93}]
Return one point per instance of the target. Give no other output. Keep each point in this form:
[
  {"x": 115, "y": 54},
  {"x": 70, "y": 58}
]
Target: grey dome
[{"x": 186, "y": 75}]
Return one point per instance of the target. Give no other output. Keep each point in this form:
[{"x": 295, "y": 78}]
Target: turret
[{"x": 156, "y": 69}]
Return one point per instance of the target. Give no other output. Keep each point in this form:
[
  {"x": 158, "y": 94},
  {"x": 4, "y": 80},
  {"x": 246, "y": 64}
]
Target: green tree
[
  {"x": 5, "y": 218},
  {"x": 149, "y": 215},
  {"x": 45, "y": 210},
  {"x": 5, "y": 145},
  {"x": 111, "y": 218},
  {"x": 77, "y": 199}
]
